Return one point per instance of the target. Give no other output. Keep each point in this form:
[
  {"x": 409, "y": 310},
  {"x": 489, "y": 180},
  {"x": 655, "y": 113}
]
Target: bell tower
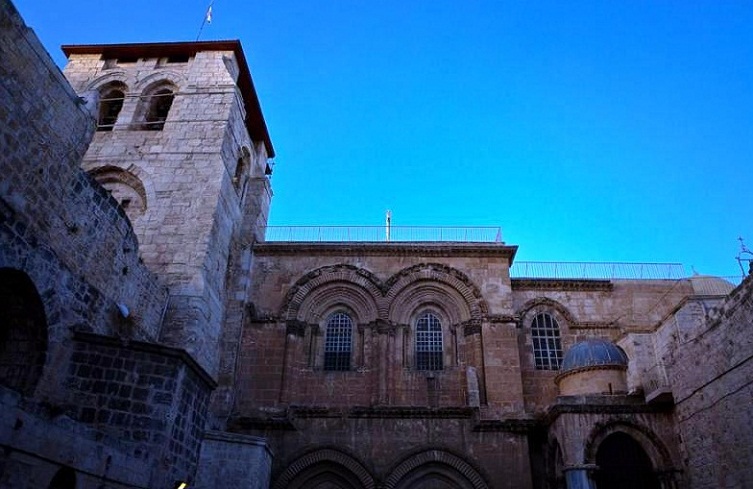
[{"x": 182, "y": 146}]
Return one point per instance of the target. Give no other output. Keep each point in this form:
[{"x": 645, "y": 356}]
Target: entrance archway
[
  {"x": 623, "y": 464},
  {"x": 65, "y": 478},
  {"x": 23, "y": 332}
]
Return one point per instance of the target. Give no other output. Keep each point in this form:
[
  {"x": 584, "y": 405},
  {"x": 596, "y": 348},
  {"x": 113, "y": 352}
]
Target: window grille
[
  {"x": 547, "y": 345},
  {"x": 428, "y": 342},
  {"x": 337, "y": 342}
]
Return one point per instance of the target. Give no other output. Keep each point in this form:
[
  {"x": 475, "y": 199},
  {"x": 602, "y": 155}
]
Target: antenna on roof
[
  {"x": 207, "y": 19},
  {"x": 387, "y": 224}
]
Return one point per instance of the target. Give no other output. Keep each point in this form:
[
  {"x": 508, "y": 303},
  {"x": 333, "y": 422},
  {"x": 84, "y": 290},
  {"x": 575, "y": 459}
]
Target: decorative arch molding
[
  {"x": 158, "y": 78},
  {"x": 325, "y": 456},
  {"x": 436, "y": 272},
  {"x": 125, "y": 188},
  {"x": 321, "y": 301},
  {"x": 432, "y": 295},
  {"x": 545, "y": 303},
  {"x": 112, "y": 76},
  {"x": 434, "y": 458},
  {"x": 357, "y": 278},
  {"x": 646, "y": 438}
]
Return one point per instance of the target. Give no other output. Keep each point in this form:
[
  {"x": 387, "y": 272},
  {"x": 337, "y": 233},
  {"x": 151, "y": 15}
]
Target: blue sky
[{"x": 589, "y": 131}]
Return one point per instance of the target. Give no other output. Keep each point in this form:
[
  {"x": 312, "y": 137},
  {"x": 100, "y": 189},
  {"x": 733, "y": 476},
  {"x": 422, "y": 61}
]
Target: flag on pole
[{"x": 208, "y": 18}]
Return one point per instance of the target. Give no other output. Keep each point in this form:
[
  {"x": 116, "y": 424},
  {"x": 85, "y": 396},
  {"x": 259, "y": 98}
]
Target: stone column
[{"x": 579, "y": 476}]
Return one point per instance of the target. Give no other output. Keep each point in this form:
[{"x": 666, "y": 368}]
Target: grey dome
[
  {"x": 593, "y": 352},
  {"x": 710, "y": 285}
]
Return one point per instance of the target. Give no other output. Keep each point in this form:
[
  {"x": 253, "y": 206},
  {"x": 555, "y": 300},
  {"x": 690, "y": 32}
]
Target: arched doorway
[
  {"x": 325, "y": 469},
  {"x": 23, "y": 332},
  {"x": 623, "y": 464},
  {"x": 434, "y": 469},
  {"x": 65, "y": 478}
]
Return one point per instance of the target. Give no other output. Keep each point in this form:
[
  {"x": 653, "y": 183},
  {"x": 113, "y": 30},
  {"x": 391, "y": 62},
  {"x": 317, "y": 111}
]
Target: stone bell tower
[{"x": 182, "y": 146}]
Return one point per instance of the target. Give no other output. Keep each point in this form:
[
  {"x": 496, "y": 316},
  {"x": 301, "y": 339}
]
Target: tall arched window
[
  {"x": 111, "y": 99},
  {"x": 547, "y": 345},
  {"x": 156, "y": 106},
  {"x": 429, "y": 349},
  {"x": 338, "y": 341}
]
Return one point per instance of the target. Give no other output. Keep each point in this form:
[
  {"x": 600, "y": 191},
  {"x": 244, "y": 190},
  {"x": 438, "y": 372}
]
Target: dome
[
  {"x": 710, "y": 285},
  {"x": 593, "y": 352}
]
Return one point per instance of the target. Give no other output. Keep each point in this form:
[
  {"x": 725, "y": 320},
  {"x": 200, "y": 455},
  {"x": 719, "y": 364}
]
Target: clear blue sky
[{"x": 590, "y": 131}]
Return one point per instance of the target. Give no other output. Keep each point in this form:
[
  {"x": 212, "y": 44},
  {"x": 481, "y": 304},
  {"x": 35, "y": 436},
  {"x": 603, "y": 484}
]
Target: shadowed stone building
[{"x": 154, "y": 329}]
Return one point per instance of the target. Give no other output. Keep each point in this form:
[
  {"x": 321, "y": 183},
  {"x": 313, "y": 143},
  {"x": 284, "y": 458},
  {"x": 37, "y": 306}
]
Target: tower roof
[{"x": 255, "y": 124}]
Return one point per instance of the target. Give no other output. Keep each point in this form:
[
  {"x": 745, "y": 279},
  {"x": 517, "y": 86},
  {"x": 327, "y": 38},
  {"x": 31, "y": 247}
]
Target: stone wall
[
  {"x": 708, "y": 354},
  {"x": 195, "y": 204}
]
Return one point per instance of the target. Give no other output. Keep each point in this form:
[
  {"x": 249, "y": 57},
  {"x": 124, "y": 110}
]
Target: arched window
[
  {"x": 111, "y": 99},
  {"x": 157, "y": 105},
  {"x": 429, "y": 349},
  {"x": 338, "y": 342},
  {"x": 547, "y": 345}
]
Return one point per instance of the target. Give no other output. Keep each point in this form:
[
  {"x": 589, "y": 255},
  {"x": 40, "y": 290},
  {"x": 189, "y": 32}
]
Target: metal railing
[
  {"x": 597, "y": 270},
  {"x": 463, "y": 234}
]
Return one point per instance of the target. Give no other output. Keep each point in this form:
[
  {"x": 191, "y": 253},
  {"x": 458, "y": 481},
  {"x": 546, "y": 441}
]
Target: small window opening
[
  {"x": 128, "y": 60},
  {"x": 159, "y": 106},
  {"x": 178, "y": 58},
  {"x": 125, "y": 203}
]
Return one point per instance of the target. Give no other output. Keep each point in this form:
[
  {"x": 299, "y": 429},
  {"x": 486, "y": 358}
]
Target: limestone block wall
[
  {"x": 708, "y": 354},
  {"x": 58, "y": 225},
  {"x": 151, "y": 398},
  {"x": 586, "y": 309},
  {"x": 384, "y": 286},
  {"x": 236, "y": 460},
  {"x": 196, "y": 204}
]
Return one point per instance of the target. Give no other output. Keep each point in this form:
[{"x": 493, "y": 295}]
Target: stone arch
[
  {"x": 444, "y": 464},
  {"x": 545, "y": 304},
  {"x": 112, "y": 76},
  {"x": 323, "y": 464},
  {"x": 320, "y": 301},
  {"x": 23, "y": 332},
  {"x": 455, "y": 284},
  {"x": 648, "y": 440},
  {"x": 328, "y": 281},
  {"x": 159, "y": 77},
  {"x": 155, "y": 102},
  {"x": 64, "y": 478},
  {"x": 125, "y": 187}
]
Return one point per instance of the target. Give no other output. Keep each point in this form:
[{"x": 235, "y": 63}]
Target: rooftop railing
[
  {"x": 597, "y": 270},
  {"x": 464, "y": 234}
]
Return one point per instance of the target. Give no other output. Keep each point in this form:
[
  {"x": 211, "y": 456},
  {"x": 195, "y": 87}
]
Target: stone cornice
[
  {"x": 601, "y": 405},
  {"x": 242, "y": 423},
  {"x": 421, "y": 248},
  {"x": 507, "y": 425},
  {"x": 561, "y": 284},
  {"x": 382, "y": 412}
]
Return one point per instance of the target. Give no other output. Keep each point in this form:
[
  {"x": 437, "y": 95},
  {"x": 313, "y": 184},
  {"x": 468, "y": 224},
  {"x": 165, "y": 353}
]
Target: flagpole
[{"x": 207, "y": 19}]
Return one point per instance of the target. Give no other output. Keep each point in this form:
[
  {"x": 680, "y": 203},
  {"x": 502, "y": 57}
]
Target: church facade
[{"x": 156, "y": 332}]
